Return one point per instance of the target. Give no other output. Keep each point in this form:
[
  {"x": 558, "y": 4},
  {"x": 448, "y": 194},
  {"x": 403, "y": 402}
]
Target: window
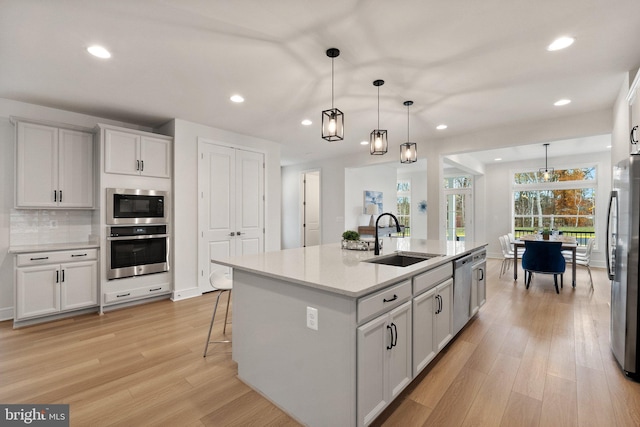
[
  {"x": 566, "y": 202},
  {"x": 404, "y": 205},
  {"x": 458, "y": 191}
]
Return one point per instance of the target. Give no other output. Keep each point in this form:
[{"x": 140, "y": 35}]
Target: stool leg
[
  {"x": 215, "y": 308},
  {"x": 226, "y": 315}
]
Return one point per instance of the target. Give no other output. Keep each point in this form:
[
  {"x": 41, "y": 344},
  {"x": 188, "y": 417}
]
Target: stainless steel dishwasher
[{"x": 461, "y": 292}]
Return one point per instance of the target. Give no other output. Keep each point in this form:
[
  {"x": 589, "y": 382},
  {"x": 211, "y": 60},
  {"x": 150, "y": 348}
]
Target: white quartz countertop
[
  {"x": 341, "y": 271},
  {"x": 48, "y": 247}
]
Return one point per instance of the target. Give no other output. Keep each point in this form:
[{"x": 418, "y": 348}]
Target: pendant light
[
  {"x": 333, "y": 119},
  {"x": 408, "y": 150},
  {"x": 546, "y": 171},
  {"x": 378, "y": 143}
]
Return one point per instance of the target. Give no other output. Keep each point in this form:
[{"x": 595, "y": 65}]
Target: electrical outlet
[{"x": 312, "y": 318}]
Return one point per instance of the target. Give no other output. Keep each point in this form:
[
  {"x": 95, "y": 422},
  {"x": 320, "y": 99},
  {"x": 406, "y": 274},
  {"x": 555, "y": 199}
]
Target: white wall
[
  {"x": 185, "y": 196},
  {"x": 369, "y": 178}
]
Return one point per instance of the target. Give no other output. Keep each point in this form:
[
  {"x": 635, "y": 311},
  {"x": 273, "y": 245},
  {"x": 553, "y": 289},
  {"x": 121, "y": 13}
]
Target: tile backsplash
[{"x": 41, "y": 226}]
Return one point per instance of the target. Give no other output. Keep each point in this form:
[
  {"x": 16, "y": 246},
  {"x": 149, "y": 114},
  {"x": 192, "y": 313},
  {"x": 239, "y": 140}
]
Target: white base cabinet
[
  {"x": 47, "y": 286},
  {"x": 384, "y": 361},
  {"x": 478, "y": 287},
  {"x": 432, "y": 314}
]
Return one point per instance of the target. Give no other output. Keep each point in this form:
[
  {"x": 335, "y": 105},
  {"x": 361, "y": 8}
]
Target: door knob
[
  {"x": 238, "y": 233},
  {"x": 232, "y": 234}
]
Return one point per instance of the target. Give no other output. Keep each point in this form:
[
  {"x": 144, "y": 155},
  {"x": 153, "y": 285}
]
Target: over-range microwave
[{"x": 129, "y": 206}]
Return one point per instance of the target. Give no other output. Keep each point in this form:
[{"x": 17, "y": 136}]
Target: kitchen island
[{"x": 332, "y": 338}]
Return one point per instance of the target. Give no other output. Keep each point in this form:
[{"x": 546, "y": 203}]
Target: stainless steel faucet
[{"x": 376, "y": 249}]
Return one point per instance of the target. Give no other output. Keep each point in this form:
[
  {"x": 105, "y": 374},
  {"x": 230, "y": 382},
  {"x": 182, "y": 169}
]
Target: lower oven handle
[{"x": 141, "y": 236}]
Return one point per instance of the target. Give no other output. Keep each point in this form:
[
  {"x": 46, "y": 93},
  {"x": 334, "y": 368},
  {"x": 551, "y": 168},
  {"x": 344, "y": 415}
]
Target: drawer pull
[
  {"x": 77, "y": 255},
  {"x": 155, "y": 289},
  {"x": 395, "y": 297},
  {"x": 123, "y": 295},
  {"x": 39, "y": 258}
]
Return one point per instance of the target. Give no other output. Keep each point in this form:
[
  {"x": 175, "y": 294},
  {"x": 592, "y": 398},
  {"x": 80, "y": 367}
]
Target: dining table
[{"x": 568, "y": 243}]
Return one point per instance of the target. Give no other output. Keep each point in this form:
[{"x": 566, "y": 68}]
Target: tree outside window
[{"x": 566, "y": 202}]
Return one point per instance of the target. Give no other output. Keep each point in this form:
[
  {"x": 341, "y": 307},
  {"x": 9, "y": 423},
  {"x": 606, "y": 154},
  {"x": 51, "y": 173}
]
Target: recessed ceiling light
[
  {"x": 560, "y": 43},
  {"x": 562, "y": 102},
  {"x": 497, "y": 159},
  {"x": 99, "y": 51},
  {"x": 306, "y": 122},
  {"x": 364, "y": 142},
  {"x": 441, "y": 127},
  {"x": 237, "y": 98}
]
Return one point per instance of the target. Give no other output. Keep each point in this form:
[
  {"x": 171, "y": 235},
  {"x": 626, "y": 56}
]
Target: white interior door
[
  {"x": 230, "y": 206},
  {"x": 311, "y": 209}
]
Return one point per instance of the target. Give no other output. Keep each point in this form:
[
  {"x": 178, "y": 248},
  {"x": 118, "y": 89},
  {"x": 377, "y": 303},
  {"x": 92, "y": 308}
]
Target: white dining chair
[
  {"x": 221, "y": 284},
  {"x": 583, "y": 258},
  {"x": 507, "y": 254}
]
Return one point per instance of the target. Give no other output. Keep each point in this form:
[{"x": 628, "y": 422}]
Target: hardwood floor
[{"x": 529, "y": 358}]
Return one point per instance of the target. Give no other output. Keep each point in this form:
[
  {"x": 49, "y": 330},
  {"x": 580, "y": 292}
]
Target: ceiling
[{"x": 470, "y": 65}]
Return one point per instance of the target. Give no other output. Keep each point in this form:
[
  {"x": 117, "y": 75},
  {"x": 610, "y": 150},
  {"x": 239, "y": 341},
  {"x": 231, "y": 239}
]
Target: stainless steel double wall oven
[{"x": 137, "y": 232}]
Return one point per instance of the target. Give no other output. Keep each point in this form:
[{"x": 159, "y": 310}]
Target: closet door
[{"x": 230, "y": 206}]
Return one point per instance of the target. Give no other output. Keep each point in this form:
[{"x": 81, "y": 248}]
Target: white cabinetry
[
  {"x": 136, "y": 153},
  {"x": 384, "y": 354},
  {"x": 478, "y": 286},
  {"x": 49, "y": 283},
  {"x": 432, "y": 314},
  {"x": 54, "y": 167}
]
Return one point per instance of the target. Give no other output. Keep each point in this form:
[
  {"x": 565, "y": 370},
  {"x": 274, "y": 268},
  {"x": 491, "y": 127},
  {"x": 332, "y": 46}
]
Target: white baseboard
[
  {"x": 185, "y": 294},
  {"x": 6, "y": 313}
]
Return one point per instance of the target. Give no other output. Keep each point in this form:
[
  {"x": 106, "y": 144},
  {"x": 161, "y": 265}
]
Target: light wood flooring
[{"x": 529, "y": 358}]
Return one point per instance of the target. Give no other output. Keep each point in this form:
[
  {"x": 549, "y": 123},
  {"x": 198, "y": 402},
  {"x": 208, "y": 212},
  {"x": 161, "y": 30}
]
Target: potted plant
[
  {"x": 350, "y": 238},
  {"x": 546, "y": 233}
]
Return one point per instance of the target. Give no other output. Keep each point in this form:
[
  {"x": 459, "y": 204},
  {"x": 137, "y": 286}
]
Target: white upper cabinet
[
  {"x": 54, "y": 167},
  {"x": 133, "y": 153}
]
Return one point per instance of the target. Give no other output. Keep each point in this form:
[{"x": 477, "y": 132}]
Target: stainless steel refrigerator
[{"x": 623, "y": 232}]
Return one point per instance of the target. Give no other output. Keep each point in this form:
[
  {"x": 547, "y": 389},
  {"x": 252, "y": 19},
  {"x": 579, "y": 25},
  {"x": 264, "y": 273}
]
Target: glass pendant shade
[
  {"x": 408, "y": 152},
  {"x": 333, "y": 125},
  {"x": 332, "y": 119},
  {"x": 378, "y": 143}
]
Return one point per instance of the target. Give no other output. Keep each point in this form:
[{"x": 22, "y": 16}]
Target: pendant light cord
[
  {"x": 378, "y": 108},
  {"x": 408, "y": 106},
  {"x": 332, "y": 83}
]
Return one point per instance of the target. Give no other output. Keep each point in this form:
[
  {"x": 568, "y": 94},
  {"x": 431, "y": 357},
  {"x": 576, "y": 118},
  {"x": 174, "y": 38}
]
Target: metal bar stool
[{"x": 222, "y": 284}]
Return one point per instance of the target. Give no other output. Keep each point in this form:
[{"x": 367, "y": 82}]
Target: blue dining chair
[{"x": 545, "y": 258}]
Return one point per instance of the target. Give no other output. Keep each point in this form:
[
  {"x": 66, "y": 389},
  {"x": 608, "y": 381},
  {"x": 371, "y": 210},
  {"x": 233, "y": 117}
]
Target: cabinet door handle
[
  {"x": 632, "y": 135},
  {"x": 141, "y": 165},
  {"x": 60, "y": 198},
  {"x": 390, "y": 346},
  {"x": 57, "y": 276},
  {"x": 232, "y": 234},
  {"x": 238, "y": 233},
  {"x": 123, "y": 295},
  {"x": 482, "y": 275},
  {"x": 395, "y": 297},
  {"x": 155, "y": 289},
  {"x": 62, "y": 276},
  {"x": 39, "y": 258},
  {"x": 395, "y": 330},
  {"x": 55, "y": 196},
  {"x": 78, "y": 255},
  {"x": 137, "y": 165},
  {"x": 439, "y": 309}
]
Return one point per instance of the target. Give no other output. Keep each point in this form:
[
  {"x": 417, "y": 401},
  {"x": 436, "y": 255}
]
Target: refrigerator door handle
[{"x": 611, "y": 252}]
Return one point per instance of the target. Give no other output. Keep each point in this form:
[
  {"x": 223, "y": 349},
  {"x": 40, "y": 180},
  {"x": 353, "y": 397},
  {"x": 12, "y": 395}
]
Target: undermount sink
[{"x": 401, "y": 260}]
